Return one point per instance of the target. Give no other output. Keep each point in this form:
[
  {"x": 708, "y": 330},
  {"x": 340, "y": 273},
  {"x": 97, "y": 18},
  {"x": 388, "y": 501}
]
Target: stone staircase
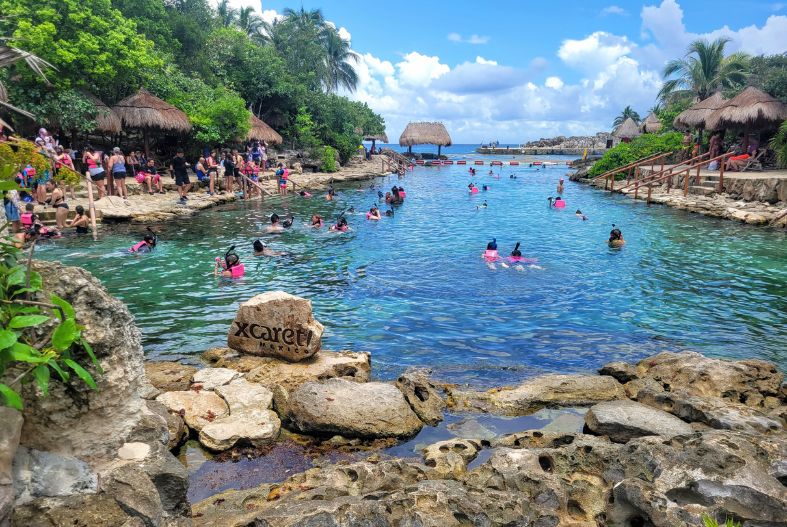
[{"x": 706, "y": 187}]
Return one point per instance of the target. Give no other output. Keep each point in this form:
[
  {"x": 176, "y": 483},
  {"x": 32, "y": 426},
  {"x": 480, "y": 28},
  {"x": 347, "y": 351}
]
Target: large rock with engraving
[{"x": 276, "y": 324}]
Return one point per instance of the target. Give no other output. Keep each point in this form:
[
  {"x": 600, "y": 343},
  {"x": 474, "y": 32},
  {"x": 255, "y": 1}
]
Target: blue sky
[{"x": 520, "y": 70}]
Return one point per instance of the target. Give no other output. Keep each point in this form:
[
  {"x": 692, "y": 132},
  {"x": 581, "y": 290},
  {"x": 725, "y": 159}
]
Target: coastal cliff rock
[
  {"x": 9, "y": 442},
  {"x": 169, "y": 376},
  {"x": 276, "y": 324},
  {"x": 422, "y": 396},
  {"x": 622, "y": 421},
  {"x": 350, "y": 409}
]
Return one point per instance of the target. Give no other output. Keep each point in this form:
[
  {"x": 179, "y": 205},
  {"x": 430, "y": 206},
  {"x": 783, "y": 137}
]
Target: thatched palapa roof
[
  {"x": 425, "y": 134},
  {"x": 627, "y": 130},
  {"x": 697, "y": 114},
  {"x": 651, "y": 124},
  {"x": 751, "y": 108},
  {"x": 260, "y": 131},
  {"x": 144, "y": 110},
  {"x": 376, "y": 137},
  {"x": 106, "y": 119}
]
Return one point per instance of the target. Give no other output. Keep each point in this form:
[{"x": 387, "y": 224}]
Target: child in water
[
  {"x": 616, "y": 238},
  {"x": 373, "y": 214},
  {"x": 230, "y": 266},
  {"x": 316, "y": 221},
  {"x": 260, "y": 249},
  {"x": 147, "y": 244},
  {"x": 341, "y": 225}
]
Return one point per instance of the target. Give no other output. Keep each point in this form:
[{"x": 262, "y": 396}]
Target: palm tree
[
  {"x": 303, "y": 19},
  {"x": 249, "y": 21},
  {"x": 628, "y": 112},
  {"x": 227, "y": 15},
  {"x": 339, "y": 57},
  {"x": 10, "y": 55},
  {"x": 704, "y": 70}
]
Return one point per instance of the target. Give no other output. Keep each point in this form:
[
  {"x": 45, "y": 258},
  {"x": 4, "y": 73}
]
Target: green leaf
[
  {"x": 64, "y": 305},
  {"x": 7, "y": 338},
  {"x": 24, "y": 353},
  {"x": 81, "y": 373},
  {"x": 89, "y": 350},
  {"x": 12, "y": 398},
  {"x": 41, "y": 373},
  {"x": 22, "y": 291},
  {"x": 17, "y": 276},
  {"x": 8, "y": 185},
  {"x": 27, "y": 321},
  {"x": 64, "y": 376},
  {"x": 36, "y": 281},
  {"x": 65, "y": 335}
]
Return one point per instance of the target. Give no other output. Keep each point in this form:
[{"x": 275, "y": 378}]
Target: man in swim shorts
[{"x": 179, "y": 166}]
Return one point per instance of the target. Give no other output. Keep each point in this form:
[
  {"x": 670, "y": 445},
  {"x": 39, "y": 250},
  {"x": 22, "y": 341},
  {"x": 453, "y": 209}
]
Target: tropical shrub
[
  {"x": 707, "y": 521},
  {"x": 779, "y": 145},
  {"x": 642, "y": 146},
  {"x": 328, "y": 160}
]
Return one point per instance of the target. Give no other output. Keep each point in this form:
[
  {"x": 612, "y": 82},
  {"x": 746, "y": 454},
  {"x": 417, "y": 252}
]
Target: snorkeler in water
[
  {"x": 147, "y": 244},
  {"x": 275, "y": 225},
  {"x": 230, "y": 266},
  {"x": 341, "y": 225},
  {"x": 581, "y": 216},
  {"x": 288, "y": 222},
  {"x": 304, "y": 194},
  {"x": 260, "y": 249},
  {"x": 374, "y": 213},
  {"x": 616, "y": 237},
  {"x": 316, "y": 221}
]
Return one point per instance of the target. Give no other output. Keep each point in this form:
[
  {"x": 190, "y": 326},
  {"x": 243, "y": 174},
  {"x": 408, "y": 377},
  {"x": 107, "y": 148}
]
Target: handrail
[
  {"x": 630, "y": 165},
  {"x": 664, "y": 170},
  {"x": 686, "y": 170}
]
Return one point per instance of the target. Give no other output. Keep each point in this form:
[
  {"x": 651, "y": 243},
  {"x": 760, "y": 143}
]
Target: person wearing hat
[
  {"x": 117, "y": 167},
  {"x": 560, "y": 186}
]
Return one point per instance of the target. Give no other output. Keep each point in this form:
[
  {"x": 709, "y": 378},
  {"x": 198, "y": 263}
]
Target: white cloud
[
  {"x": 472, "y": 39},
  {"x": 596, "y": 51},
  {"x": 271, "y": 15},
  {"x": 344, "y": 34},
  {"x": 419, "y": 70},
  {"x": 614, "y": 10},
  {"x": 553, "y": 82}
]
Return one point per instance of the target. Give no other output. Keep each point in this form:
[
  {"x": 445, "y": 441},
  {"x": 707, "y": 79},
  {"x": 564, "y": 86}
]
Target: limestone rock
[
  {"x": 270, "y": 371},
  {"x": 176, "y": 427},
  {"x": 134, "y": 492},
  {"x": 9, "y": 441},
  {"x": 746, "y": 381},
  {"x": 198, "y": 408},
  {"x": 258, "y": 427},
  {"x": 622, "y": 421},
  {"x": 134, "y": 451},
  {"x": 276, "y": 324},
  {"x": 540, "y": 392},
  {"x": 93, "y": 510},
  {"x": 75, "y": 420},
  {"x": 150, "y": 428},
  {"x": 451, "y": 457},
  {"x": 170, "y": 478},
  {"x": 169, "y": 376},
  {"x": 352, "y": 409},
  {"x": 212, "y": 378},
  {"x": 622, "y": 371},
  {"x": 712, "y": 411},
  {"x": 422, "y": 395},
  {"x": 45, "y": 474},
  {"x": 241, "y": 395}
]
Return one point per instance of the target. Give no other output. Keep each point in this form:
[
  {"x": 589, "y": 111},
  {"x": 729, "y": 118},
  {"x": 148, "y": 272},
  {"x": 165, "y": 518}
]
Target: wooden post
[
  {"x": 650, "y": 189},
  {"x": 612, "y": 183},
  {"x": 91, "y": 205},
  {"x": 698, "y": 178},
  {"x": 721, "y": 175},
  {"x": 686, "y": 182}
]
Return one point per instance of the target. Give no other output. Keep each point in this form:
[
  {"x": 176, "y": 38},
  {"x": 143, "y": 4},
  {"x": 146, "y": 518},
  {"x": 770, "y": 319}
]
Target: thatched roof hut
[
  {"x": 751, "y": 108},
  {"x": 260, "y": 131},
  {"x": 651, "y": 124},
  {"x": 144, "y": 110},
  {"x": 696, "y": 115},
  {"x": 106, "y": 119},
  {"x": 425, "y": 134},
  {"x": 627, "y": 130},
  {"x": 376, "y": 137}
]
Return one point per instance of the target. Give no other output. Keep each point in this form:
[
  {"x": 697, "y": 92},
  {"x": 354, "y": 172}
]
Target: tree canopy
[{"x": 215, "y": 64}]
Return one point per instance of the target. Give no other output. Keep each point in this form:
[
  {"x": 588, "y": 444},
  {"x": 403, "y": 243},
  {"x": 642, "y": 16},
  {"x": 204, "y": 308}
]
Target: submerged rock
[
  {"x": 540, "y": 392},
  {"x": 276, "y": 324},
  {"x": 352, "y": 409},
  {"x": 622, "y": 421},
  {"x": 198, "y": 408},
  {"x": 271, "y": 372}
]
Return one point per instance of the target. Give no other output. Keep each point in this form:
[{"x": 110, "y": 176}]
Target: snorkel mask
[
  {"x": 231, "y": 258},
  {"x": 152, "y": 238}
]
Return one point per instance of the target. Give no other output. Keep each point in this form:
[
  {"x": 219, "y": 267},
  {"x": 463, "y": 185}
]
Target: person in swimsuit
[
  {"x": 560, "y": 186},
  {"x": 92, "y": 160},
  {"x": 304, "y": 194},
  {"x": 213, "y": 172},
  {"x": 117, "y": 167},
  {"x": 374, "y": 213},
  {"x": 230, "y": 266},
  {"x": 260, "y": 249},
  {"x": 229, "y": 171},
  {"x": 616, "y": 238},
  {"x": 57, "y": 199},
  {"x": 330, "y": 195},
  {"x": 341, "y": 225},
  {"x": 581, "y": 216},
  {"x": 316, "y": 221},
  {"x": 63, "y": 159},
  {"x": 147, "y": 244},
  {"x": 80, "y": 221}
]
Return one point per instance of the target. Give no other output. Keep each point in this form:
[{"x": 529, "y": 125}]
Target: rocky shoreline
[{"x": 662, "y": 441}]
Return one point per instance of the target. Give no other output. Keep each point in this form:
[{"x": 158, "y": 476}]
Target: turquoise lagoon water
[{"x": 414, "y": 291}]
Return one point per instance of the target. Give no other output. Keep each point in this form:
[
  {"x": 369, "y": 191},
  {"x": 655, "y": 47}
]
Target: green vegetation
[
  {"x": 779, "y": 145},
  {"x": 628, "y": 112},
  {"x": 642, "y": 146},
  {"x": 328, "y": 160},
  {"x": 214, "y": 64},
  {"x": 707, "y": 521}
]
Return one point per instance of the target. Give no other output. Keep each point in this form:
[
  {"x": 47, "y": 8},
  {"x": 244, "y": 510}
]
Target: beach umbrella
[
  {"x": 651, "y": 124},
  {"x": 696, "y": 115},
  {"x": 145, "y": 111},
  {"x": 750, "y": 109},
  {"x": 260, "y": 131},
  {"x": 627, "y": 130},
  {"x": 425, "y": 134}
]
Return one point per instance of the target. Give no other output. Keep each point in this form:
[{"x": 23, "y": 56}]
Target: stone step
[{"x": 702, "y": 191}]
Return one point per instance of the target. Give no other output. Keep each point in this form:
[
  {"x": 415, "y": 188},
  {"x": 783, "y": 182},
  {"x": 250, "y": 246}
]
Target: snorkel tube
[{"x": 491, "y": 250}]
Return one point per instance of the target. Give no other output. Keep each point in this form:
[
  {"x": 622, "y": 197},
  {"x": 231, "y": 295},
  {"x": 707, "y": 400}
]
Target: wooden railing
[
  {"x": 686, "y": 172},
  {"x": 394, "y": 162},
  {"x": 662, "y": 172},
  {"x": 610, "y": 174}
]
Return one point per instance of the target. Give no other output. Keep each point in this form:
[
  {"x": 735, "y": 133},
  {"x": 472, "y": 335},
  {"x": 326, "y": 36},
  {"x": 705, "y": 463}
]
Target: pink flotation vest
[
  {"x": 474, "y": 190},
  {"x": 560, "y": 204},
  {"x": 237, "y": 271},
  {"x": 137, "y": 246},
  {"x": 27, "y": 219},
  {"x": 491, "y": 255}
]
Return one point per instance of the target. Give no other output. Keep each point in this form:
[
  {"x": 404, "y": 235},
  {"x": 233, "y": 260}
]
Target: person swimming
[
  {"x": 260, "y": 249},
  {"x": 147, "y": 244},
  {"x": 389, "y": 213},
  {"x": 275, "y": 225},
  {"x": 230, "y": 266},
  {"x": 485, "y": 187},
  {"x": 330, "y": 195},
  {"x": 579, "y": 214},
  {"x": 316, "y": 221},
  {"x": 559, "y": 203},
  {"x": 288, "y": 222},
  {"x": 560, "y": 186},
  {"x": 491, "y": 253},
  {"x": 615, "y": 237},
  {"x": 304, "y": 194},
  {"x": 341, "y": 225},
  {"x": 550, "y": 199},
  {"x": 516, "y": 253},
  {"x": 473, "y": 189},
  {"x": 402, "y": 194},
  {"x": 374, "y": 213}
]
